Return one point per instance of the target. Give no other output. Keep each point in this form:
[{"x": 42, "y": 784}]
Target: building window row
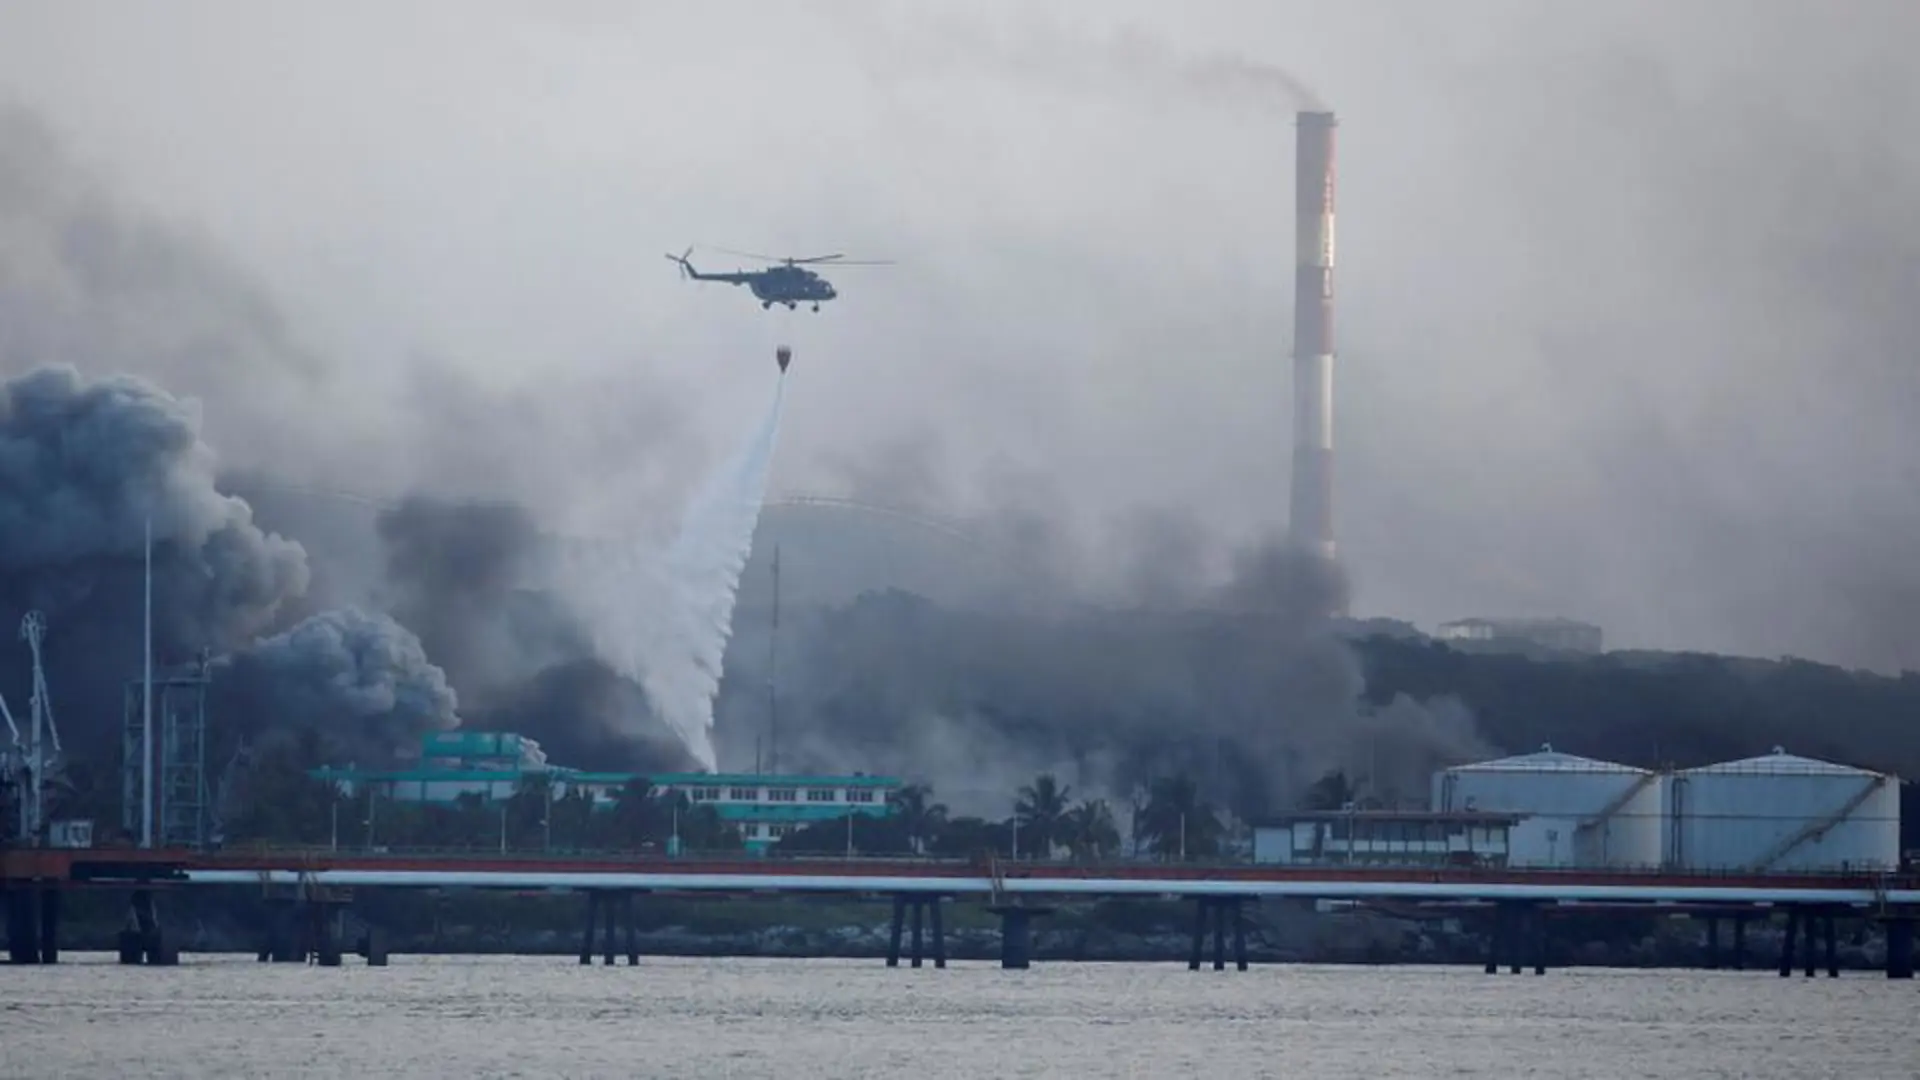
[{"x": 783, "y": 795}]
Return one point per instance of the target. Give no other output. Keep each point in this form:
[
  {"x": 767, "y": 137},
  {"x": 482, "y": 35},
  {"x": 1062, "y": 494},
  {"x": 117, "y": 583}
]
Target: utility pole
[
  {"x": 773, "y": 672},
  {"x": 146, "y": 706}
]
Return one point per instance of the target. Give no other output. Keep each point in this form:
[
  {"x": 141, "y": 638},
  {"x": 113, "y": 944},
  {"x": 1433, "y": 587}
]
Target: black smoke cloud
[
  {"x": 85, "y": 465},
  {"x": 362, "y": 682},
  {"x": 469, "y": 578}
]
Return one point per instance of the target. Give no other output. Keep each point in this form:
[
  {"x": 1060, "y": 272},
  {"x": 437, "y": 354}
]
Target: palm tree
[
  {"x": 1040, "y": 812},
  {"x": 1331, "y": 792},
  {"x": 634, "y": 813},
  {"x": 526, "y": 810},
  {"x": 919, "y": 815},
  {"x": 1176, "y": 823},
  {"x": 1090, "y": 832}
]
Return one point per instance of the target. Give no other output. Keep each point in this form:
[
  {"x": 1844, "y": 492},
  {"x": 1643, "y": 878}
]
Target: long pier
[{"x": 1518, "y": 901}]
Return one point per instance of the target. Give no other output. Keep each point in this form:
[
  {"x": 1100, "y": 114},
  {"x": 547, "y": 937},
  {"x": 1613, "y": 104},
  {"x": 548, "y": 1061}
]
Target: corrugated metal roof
[
  {"x": 1781, "y": 763},
  {"x": 1546, "y": 759}
]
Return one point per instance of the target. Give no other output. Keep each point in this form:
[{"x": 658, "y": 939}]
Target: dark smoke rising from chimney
[{"x": 1041, "y": 52}]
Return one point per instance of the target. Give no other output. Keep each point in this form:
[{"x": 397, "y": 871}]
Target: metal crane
[{"x": 38, "y": 754}]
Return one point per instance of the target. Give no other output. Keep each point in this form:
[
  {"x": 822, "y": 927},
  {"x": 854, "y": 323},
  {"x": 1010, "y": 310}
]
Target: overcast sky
[{"x": 1626, "y": 292}]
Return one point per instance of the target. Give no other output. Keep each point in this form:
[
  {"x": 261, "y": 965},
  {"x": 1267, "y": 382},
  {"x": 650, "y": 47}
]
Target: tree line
[{"x": 285, "y": 805}]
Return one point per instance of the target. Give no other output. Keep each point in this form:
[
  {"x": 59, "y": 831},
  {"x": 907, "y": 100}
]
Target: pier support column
[
  {"x": 593, "y": 917},
  {"x": 1713, "y": 943},
  {"x": 1541, "y": 940},
  {"x": 1016, "y": 934},
  {"x": 149, "y": 938},
  {"x": 1016, "y": 939},
  {"x": 23, "y": 924},
  {"x": 925, "y": 909},
  {"x": 939, "y": 934},
  {"x": 609, "y": 917},
  {"x": 1222, "y": 909},
  {"x": 1239, "y": 938},
  {"x": 1199, "y": 933},
  {"x": 1809, "y": 926},
  {"x": 1516, "y": 937},
  {"x": 1739, "y": 943},
  {"x": 1786, "y": 942},
  {"x": 323, "y": 922},
  {"x": 893, "y": 938},
  {"x": 632, "y": 931},
  {"x": 1832, "y": 943},
  {"x": 919, "y": 946},
  {"x": 1496, "y": 939},
  {"x": 373, "y": 946},
  {"x": 1516, "y": 932},
  {"x": 1900, "y": 948},
  {"x": 49, "y": 925}
]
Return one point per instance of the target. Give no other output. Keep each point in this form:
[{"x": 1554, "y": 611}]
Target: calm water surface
[{"x": 500, "y": 1017}]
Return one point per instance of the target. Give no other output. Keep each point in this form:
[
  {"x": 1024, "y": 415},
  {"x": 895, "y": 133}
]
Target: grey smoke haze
[
  {"x": 1622, "y": 305},
  {"x": 92, "y": 274},
  {"x": 1256, "y": 696}
]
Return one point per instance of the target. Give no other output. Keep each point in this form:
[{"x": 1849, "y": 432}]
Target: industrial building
[
  {"x": 1559, "y": 635},
  {"x": 1577, "y": 811},
  {"x": 492, "y": 766},
  {"x": 1781, "y": 813},
  {"x": 1385, "y": 837}
]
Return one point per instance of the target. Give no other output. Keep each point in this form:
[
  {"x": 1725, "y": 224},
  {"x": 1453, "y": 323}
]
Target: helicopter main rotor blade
[{"x": 749, "y": 255}]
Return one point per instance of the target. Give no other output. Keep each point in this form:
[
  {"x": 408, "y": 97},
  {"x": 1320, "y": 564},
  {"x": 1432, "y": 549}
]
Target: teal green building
[{"x": 492, "y": 765}]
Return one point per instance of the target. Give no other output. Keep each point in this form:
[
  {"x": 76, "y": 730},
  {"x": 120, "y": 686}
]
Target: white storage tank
[
  {"x": 1780, "y": 813},
  {"x": 1580, "y": 811}
]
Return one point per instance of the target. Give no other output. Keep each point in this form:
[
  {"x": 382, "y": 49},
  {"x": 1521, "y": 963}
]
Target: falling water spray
[{"x": 663, "y": 617}]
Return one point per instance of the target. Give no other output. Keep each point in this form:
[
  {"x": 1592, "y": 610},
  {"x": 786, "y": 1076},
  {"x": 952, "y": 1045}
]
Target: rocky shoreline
[{"x": 1276, "y": 934}]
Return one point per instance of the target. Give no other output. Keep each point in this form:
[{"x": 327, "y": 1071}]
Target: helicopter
[{"x": 787, "y": 282}]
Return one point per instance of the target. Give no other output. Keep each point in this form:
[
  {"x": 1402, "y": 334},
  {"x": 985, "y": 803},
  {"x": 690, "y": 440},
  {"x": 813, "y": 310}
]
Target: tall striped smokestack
[{"x": 1311, "y": 512}]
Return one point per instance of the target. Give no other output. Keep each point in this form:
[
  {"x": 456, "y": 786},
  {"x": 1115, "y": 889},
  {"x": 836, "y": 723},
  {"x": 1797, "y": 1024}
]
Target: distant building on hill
[{"x": 1560, "y": 635}]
